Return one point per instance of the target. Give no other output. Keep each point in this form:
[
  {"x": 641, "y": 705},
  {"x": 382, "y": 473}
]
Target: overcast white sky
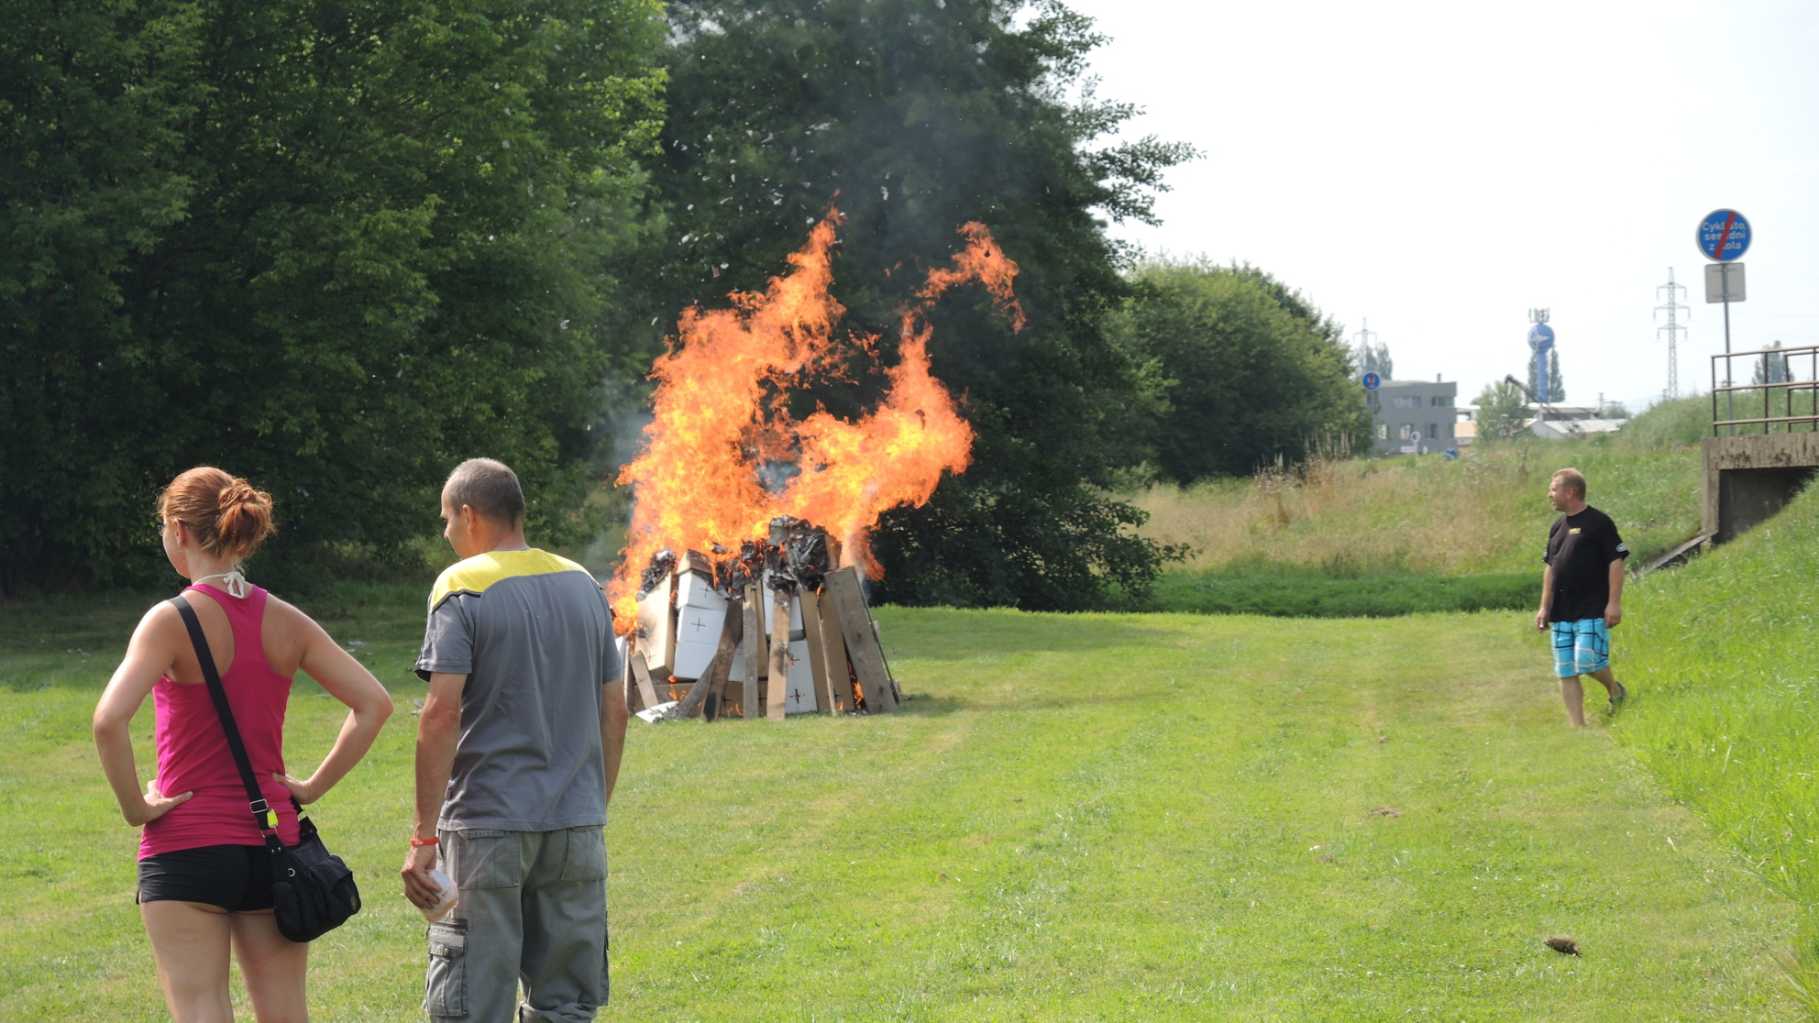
[{"x": 1439, "y": 168}]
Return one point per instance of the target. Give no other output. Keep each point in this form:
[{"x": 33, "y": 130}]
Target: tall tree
[
  {"x": 1556, "y": 387},
  {"x": 915, "y": 117},
  {"x": 1771, "y": 368},
  {"x": 330, "y": 245},
  {"x": 1501, "y": 409},
  {"x": 1376, "y": 359},
  {"x": 1248, "y": 370}
]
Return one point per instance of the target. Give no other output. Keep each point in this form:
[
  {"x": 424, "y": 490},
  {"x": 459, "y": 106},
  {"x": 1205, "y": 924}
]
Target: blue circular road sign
[
  {"x": 1724, "y": 235},
  {"x": 1372, "y": 381}
]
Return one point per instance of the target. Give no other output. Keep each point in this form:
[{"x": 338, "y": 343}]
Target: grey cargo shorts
[{"x": 531, "y": 907}]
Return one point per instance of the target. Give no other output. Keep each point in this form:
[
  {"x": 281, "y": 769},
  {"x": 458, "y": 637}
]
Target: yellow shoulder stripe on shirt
[{"x": 476, "y": 574}]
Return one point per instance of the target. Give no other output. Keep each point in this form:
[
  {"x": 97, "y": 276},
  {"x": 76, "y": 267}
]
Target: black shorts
[{"x": 234, "y": 877}]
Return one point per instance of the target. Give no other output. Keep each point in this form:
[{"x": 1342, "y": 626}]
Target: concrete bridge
[{"x": 1749, "y": 478}]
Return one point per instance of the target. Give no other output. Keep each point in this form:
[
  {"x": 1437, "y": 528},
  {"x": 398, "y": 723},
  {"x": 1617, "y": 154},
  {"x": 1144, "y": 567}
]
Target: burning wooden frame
[{"x": 771, "y": 630}]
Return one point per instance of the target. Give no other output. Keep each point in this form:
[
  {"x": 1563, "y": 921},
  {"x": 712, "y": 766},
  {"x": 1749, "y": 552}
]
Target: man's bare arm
[
  {"x": 1547, "y": 598},
  {"x": 1613, "y": 612},
  {"x": 438, "y": 729},
  {"x": 613, "y": 716}
]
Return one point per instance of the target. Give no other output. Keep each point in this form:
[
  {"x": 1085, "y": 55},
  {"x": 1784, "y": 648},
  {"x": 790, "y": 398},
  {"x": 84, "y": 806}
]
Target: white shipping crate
[
  {"x": 800, "y": 670},
  {"x": 657, "y": 629},
  {"x": 700, "y": 615},
  {"x": 795, "y": 608},
  {"x": 799, "y": 698},
  {"x": 697, "y": 590},
  {"x": 697, "y": 638},
  {"x": 743, "y": 653}
]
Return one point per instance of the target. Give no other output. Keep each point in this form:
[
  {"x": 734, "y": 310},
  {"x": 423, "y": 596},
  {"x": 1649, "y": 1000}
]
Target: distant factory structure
[
  {"x": 1545, "y": 413},
  {"x": 1413, "y": 417}
]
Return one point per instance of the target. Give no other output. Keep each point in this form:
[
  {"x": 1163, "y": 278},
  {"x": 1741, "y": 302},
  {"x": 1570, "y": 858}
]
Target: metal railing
[{"x": 1793, "y": 414}]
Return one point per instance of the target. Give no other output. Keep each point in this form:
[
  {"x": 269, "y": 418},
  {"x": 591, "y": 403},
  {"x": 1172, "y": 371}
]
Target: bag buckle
[{"x": 260, "y": 806}]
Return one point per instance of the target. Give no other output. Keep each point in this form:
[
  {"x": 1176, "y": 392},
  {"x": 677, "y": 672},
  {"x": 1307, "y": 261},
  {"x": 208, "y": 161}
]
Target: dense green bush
[
  {"x": 1243, "y": 371},
  {"x": 334, "y": 247}
]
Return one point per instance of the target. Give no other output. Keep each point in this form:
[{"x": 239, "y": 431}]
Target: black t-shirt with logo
[{"x": 1581, "y": 548}]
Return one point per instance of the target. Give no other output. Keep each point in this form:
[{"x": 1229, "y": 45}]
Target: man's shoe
[{"x": 1618, "y": 698}]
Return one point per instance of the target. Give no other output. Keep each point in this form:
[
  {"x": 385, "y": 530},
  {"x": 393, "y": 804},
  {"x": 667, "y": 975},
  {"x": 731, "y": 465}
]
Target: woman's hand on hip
[
  {"x": 157, "y": 804},
  {"x": 304, "y": 792}
]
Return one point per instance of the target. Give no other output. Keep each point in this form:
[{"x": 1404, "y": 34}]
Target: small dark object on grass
[
  {"x": 1386, "y": 811},
  {"x": 1564, "y": 946}
]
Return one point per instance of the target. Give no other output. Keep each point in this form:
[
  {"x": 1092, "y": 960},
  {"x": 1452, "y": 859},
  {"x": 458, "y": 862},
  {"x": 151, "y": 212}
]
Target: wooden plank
[
  {"x": 833, "y": 648},
  {"x": 735, "y": 614},
  {"x": 753, "y": 653},
  {"x": 817, "y": 654},
  {"x": 626, "y": 684},
  {"x": 776, "y": 692},
  {"x": 641, "y": 674},
  {"x": 723, "y": 659},
  {"x": 896, "y": 691},
  {"x": 712, "y": 683},
  {"x": 861, "y": 641},
  {"x": 730, "y": 700}
]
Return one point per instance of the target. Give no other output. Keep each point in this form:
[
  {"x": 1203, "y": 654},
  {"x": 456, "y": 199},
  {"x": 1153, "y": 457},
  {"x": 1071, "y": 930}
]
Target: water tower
[{"x": 1541, "y": 345}]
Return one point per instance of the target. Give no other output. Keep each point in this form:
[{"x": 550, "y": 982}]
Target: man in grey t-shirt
[{"x": 518, "y": 746}]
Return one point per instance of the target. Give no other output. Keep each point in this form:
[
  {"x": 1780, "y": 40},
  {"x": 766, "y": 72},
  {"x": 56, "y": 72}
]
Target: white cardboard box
[
  {"x": 795, "y": 608},
  {"x": 700, "y": 616},
  {"x": 657, "y": 631},
  {"x": 799, "y": 698},
  {"x": 798, "y": 649}
]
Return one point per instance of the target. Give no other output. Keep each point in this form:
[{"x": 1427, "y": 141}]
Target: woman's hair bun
[
  {"x": 228, "y": 515},
  {"x": 245, "y": 518}
]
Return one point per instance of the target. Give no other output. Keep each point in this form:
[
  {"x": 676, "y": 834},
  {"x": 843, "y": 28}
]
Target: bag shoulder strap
[{"x": 218, "y": 693}]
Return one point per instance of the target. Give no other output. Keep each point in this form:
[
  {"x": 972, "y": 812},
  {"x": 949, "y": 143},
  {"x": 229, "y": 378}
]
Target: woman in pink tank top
[{"x": 204, "y": 875}]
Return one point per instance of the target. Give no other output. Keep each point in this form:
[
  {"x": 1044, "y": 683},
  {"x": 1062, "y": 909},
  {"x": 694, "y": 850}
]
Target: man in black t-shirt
[{"x": 1581, "y": 592}]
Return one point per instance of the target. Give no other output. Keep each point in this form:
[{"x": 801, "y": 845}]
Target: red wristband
[{"x": 418, "y": 843}]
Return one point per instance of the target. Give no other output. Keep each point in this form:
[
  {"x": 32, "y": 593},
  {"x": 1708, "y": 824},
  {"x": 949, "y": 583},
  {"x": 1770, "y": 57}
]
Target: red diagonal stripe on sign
[{"x": 1725, "y": 235}]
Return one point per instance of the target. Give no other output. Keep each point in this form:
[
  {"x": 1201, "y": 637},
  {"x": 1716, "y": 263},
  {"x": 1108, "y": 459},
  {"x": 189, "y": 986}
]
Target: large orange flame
[{"x": 720, "y": 413}]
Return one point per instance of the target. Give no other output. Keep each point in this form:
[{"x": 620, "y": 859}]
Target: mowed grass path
[{"x": 1077, "y": 817}]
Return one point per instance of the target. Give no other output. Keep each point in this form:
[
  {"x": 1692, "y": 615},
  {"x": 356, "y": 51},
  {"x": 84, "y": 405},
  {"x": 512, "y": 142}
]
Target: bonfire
[{"x": 750, "y": 527}]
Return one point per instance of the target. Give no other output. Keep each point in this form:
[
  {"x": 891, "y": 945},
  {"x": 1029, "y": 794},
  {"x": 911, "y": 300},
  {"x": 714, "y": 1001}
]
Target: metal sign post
[{"x": 1724, "y": 236}]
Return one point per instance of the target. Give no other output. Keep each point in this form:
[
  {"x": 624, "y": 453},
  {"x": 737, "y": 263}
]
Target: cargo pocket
[
  {"x": 484, "y": 859},
  {"x": 445, "y": 990},
  {"x": 585, "y": 858}
]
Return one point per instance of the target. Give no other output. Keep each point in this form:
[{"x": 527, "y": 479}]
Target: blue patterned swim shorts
[{"x": 1581, "y": 647}]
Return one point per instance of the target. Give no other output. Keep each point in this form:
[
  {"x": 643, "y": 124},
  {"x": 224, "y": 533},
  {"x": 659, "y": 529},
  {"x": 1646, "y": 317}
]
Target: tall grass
[
  {"x": 1726, "y": 708},
  {"x": 1670, "y": 424},
  {"x": 1485, "y": 513},
  {"x": 1767, "y": 404}
]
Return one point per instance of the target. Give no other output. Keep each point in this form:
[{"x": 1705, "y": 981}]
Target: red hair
[{"x": 222, "y": 511}]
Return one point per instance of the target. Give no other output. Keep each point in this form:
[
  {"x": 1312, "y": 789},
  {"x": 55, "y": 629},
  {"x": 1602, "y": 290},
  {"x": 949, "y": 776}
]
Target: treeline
[{"x": 338, "y": 246}]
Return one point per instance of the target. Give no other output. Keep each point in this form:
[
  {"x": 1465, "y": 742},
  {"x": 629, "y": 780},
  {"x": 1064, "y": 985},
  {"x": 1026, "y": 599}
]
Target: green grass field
[
  {"x": 1135, "y": 816},
  {"x": 1722, "y": 652},
  {"x": 1077, "y": 817},
  {"x": 1390, "y": 536}
]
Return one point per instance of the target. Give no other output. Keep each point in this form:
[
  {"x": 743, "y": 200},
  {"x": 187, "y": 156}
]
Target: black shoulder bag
[{"x": 313, "y": 891}]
